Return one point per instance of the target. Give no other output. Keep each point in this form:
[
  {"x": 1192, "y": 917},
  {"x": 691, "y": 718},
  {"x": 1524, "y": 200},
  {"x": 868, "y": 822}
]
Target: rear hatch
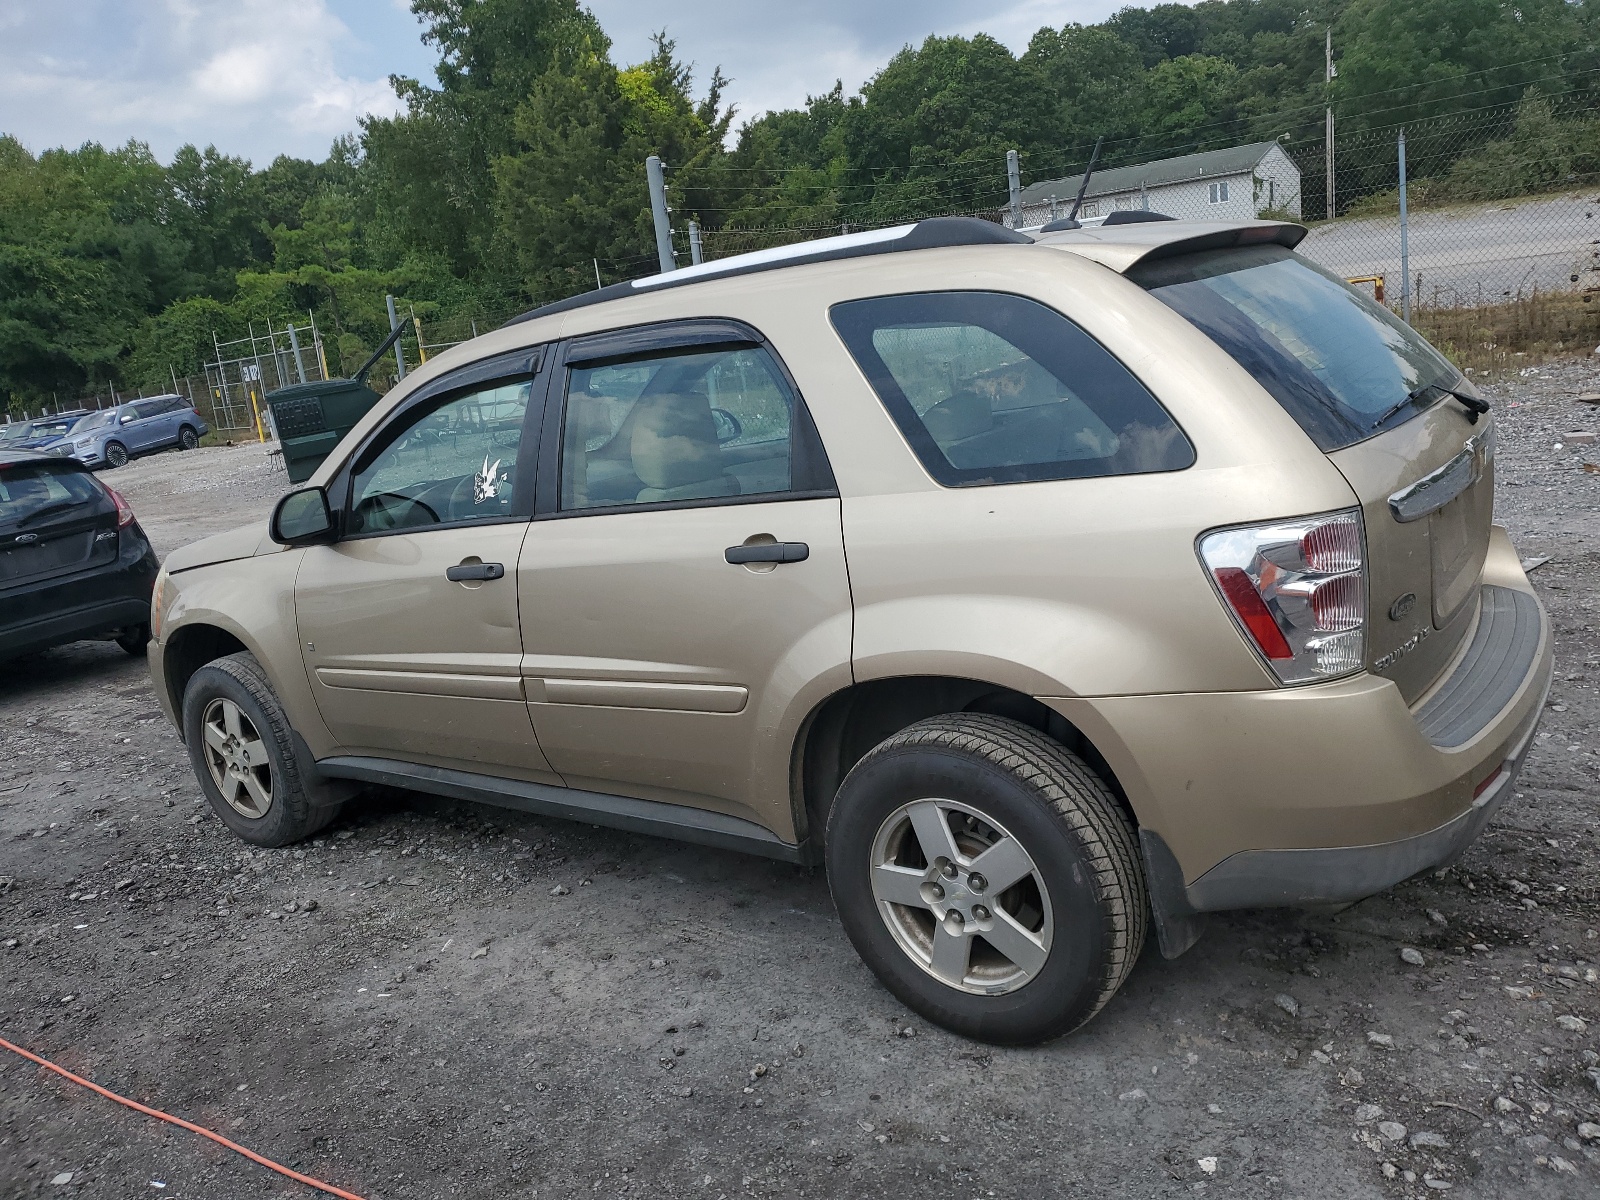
[
  {"x": 1391, "y": 413},
  {"x": 55, "y": 520}
]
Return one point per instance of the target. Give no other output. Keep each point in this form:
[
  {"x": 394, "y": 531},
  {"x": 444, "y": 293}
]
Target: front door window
[{"x": 451, "y": 463}]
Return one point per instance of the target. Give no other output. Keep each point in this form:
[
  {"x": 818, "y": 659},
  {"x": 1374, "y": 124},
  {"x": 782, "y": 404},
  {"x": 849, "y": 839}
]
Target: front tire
[
  {"x": 988, "y": 877},
  {"x": 116, "y": 455},
  {"x": 242, "y": 750}
]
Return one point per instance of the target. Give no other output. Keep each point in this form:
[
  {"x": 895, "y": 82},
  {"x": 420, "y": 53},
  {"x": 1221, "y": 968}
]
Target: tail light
[
  {"x": 1298, "y": 590},
  {"x": 124, "y": 509}
]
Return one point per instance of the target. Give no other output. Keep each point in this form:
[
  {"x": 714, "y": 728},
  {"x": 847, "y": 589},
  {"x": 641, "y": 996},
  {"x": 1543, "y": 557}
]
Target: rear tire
[
  {"x": 188, "y": 439},
  {"x": 988, "y": 877},
  {"x": 135, "y": 640},
  {"x": 116, "y": 455},
  {"x": 242, "y": 750}
]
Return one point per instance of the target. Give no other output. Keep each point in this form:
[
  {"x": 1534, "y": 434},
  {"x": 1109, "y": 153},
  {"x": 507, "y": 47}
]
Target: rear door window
[
  {"x": 683, "y": 426},
  {"x": 1343, "y": 366},
  {"x": 993, "y": 388}
]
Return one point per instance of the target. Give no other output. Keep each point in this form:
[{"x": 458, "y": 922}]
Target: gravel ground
[{"x": 434, "y": 999}]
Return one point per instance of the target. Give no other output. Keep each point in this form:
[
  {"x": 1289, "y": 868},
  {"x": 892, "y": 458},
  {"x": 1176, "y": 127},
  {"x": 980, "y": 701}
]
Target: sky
[{"x": 259, "y": 78}]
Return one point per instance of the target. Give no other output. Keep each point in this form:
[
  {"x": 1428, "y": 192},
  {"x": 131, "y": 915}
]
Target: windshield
[
  {"x": 50, "y": 429},
  {"x": 14, "y": 432},
  {"x": 1342, "y": 365},
  {"x": 95, "y": 420},
  {"x": 30, "y": 489}
]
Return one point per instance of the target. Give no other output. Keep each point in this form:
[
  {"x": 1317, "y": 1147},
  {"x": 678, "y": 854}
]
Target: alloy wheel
[
  {"x": 116, "y": 454},
  {"x": 961, "y": 896},
  {"x": 237, "y": 758}
]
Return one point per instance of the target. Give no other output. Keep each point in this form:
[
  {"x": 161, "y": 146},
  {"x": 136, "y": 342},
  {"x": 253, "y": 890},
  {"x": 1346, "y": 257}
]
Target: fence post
[
  {"x": 399, "y": 355},
  {"x": 1014, "y": 184},
  {"x": 1405, "y": 244},
  {"x": 299, "y": 359},
  {"x": 658, "y": 209},
  {"x": 696, "y": 250}
]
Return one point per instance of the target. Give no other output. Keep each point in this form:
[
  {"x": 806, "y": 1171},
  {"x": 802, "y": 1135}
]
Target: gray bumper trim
[
  {"x": 1340, "y": 874},
  {"x": 1498, "y": 659}
]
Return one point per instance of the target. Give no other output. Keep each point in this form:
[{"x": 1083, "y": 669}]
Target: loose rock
[
  {"x": 1288, "y": 1003},
  {"x": 1413, "y": 956},
  {"x": 1391, "y": 1131}
]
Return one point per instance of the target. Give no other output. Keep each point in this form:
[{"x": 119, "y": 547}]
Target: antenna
[{"x": 1084, "y": 186}]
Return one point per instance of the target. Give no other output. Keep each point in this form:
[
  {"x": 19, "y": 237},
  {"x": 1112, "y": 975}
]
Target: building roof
[{"x": 1235, "y": 160}]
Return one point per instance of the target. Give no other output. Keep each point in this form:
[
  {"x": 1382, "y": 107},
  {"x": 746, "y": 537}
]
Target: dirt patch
[{"x": 434, "y": 999}]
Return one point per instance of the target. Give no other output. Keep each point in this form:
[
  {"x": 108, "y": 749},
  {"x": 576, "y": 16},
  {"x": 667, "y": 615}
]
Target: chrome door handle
[
  {"x": 470, "y": 571},
  {"x": 772, "y": 552}
]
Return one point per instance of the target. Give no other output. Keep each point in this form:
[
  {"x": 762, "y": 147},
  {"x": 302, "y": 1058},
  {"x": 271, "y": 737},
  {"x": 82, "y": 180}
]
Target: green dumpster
[{"x": 312, "y": 418}]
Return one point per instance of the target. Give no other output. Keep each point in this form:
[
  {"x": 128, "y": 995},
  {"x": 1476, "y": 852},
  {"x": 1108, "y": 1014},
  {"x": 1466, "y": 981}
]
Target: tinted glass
[
  {"x": 446, "y": 464},
  {"x": 700, "y": 425},
  {"x": 1341, "y": 364},
  {"x": 990, "y": 388},
  {"x": 30, "y": 491}
]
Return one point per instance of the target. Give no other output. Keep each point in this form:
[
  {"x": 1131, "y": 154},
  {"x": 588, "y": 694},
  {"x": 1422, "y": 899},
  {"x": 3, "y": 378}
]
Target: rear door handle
[
  {"x": 772, "y": 552},
  {"x": 470, "y": 571}
]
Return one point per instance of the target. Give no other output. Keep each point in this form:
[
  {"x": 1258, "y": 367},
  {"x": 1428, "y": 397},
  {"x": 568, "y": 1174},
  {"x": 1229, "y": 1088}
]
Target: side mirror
[
  {"x": 126, "y": 418},
  {"x": 302, "y": 518}
]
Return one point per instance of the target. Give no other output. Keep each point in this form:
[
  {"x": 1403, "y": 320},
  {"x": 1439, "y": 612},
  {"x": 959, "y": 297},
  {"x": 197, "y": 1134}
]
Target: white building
[{"x": 1238, "y": 183}]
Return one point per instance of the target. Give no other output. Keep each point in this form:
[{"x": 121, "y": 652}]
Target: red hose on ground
[{"x": 181, "y": 1123}]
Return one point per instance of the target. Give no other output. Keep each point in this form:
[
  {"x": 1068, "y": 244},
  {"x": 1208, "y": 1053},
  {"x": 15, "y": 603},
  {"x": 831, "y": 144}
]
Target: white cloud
[
  {"x": 267, "y": 77},
  {"x": 255, "y": 77}
]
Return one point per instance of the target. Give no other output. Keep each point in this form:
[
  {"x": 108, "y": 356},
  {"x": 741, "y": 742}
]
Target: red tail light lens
[
  {"x": 124, "y": 509},
  {"x": 1298, "y": 589},
  {"x": 1252, "y": 610}
]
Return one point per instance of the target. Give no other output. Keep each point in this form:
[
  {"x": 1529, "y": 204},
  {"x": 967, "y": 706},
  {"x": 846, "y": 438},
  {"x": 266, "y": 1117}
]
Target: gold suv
[{"x": 1046, "y": 589}]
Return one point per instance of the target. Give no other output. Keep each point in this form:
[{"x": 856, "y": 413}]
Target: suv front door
[
  {"x": 683, "y": 589},
  {"x": 408, "y": 623}
]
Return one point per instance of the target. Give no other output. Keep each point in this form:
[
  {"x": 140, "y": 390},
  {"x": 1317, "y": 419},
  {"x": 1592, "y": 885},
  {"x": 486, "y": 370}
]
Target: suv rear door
[{"x": 683, "y": 589}]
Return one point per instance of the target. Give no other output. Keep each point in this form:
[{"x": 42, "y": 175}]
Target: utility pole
[
  {"x": 1405, "y": 246},
  {"x": 1014, "y": 183},
  {"x": 697, "y": 253},
  {"x": 658, "y": 208},
  {"x": 399, "y": 355},
  {"x": 1328, "y": 78}
]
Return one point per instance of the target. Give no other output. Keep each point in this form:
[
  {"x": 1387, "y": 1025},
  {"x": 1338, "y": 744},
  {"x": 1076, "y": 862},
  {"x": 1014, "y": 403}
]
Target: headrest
[{"x": 675, "y": 441}]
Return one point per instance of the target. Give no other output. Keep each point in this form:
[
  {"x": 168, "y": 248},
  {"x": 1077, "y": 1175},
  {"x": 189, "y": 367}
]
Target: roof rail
[{"x": 922, "y": 235}]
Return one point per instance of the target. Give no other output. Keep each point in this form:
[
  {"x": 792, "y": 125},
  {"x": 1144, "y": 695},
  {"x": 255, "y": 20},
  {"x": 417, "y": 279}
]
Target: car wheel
[
  {"x": 188, "y": 439},
  {"x": 135, "y": 640},
  {"x": 242, "y": 750},
  {"x": 988, "y": 877},
  {"x": 116, "y": 454}
]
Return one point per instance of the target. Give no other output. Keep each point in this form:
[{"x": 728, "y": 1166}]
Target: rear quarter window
[{"x": 992, "y": 388}]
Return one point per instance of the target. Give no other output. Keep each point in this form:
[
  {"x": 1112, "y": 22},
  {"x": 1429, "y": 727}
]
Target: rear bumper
[
  {"x": 1329, "y": 793},
  {"x": 53, "y": 612}
]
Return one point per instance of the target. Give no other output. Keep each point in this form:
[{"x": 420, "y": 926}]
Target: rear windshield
[
  {"x": 1342, "y": 365},
  {"x": 30, "y": 490}
]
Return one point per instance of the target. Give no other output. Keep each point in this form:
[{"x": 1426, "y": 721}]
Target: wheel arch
[{"x": 850, "y": 722}]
